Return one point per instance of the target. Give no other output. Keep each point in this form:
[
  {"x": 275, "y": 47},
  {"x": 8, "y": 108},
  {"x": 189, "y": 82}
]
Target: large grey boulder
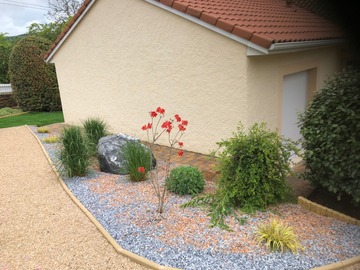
[{"x": 110, "y": 153}]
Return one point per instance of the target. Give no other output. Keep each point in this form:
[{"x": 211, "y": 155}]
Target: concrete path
[{"x": 40, "y": 226}]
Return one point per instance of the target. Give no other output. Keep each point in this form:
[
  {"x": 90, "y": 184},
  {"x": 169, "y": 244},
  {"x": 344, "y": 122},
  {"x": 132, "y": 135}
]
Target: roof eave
[
  {"x": 58, "y": 45},
  {"x": 288, "y": 47},
  {"x": 252, "y": 48},
  {"x": 211, "y": 27}
]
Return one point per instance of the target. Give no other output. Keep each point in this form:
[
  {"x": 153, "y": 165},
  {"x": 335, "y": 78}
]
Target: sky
[{"x": 17, "y": 15}]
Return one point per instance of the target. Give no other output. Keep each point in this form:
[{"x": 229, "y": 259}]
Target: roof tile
[
  {"x": 209, "y": 18},
  {"x": 167, "y": 2},
  {"x": 196, "y": 12},
  {"x": 180, "y": 6}
]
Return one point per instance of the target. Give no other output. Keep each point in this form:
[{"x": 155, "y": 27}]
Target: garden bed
[{"x": 182, "y": 238}]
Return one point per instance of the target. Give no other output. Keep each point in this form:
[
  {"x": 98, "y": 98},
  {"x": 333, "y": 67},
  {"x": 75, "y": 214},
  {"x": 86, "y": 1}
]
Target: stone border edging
[
  {"x": 327, "y": 212},
  {"x": 15, "y": 114},
  {"x": 132, "y": 256},
  {"x": 324, "y": 211}
]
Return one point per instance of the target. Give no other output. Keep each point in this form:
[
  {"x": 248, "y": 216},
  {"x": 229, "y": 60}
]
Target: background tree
[
  {"x": 6, "y": 45},
  {"x": 62, "y": 10},
  {"x": 33, "y": 81},
  {"x": 48, "y": 31}
]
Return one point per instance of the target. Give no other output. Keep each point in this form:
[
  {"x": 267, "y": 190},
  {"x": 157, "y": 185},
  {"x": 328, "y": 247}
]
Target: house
[{"x": 214, "y": 62}]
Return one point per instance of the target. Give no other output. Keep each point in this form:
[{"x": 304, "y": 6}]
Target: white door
[{"x": 294, "y": 96}]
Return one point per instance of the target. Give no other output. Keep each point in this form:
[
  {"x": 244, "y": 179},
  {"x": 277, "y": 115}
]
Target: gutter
[
  {"x": 73, "y": 26},
  {"x": 252, "y": 48}
]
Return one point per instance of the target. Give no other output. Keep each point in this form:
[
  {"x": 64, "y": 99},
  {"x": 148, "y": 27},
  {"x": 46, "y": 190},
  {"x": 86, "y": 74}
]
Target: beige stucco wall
[{"x": 127, "y": 57}]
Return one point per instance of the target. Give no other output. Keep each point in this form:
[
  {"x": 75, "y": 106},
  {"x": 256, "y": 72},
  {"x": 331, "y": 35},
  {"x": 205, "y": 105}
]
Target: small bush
[
  {"x": 136, "y": 156},
  {"x": 253, "y": 167},
  {"x": 95, "y": 129},
  {"x": 278, "y": 236},
  {"x": 330, "y": 128},
  {"x": 43, "y": 130},
  {"x": 74, "y": 154},
  {"x": 52, "y": 139},
  {"x": 185, "y": 180}
]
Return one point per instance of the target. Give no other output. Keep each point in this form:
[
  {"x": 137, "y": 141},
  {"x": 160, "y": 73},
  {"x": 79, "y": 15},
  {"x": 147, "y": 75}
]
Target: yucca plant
[
  {"x": 74, "y": 154},
  {"x": 278, "y": 236},
  {"x": 95, "y": 129},
  {"x": 137, "y": 160}
]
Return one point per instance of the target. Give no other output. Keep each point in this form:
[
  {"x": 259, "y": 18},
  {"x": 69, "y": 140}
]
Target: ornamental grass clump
[
  {"x": 278, "y": 236},
  {"x": 185, "y": 180},
  {"x": 137, "y": 160},
  {"x": 74, "y": 154},
  {"x": 43, "y": 130},
  {"x": 95, "y": 129},
  {"x": 51, "y": 139},
  {"x": 174, "y": 128}
]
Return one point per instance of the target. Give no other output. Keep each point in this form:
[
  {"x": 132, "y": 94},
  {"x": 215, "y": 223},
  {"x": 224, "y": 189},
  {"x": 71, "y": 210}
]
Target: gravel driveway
[{"x": 40, "y": 226}]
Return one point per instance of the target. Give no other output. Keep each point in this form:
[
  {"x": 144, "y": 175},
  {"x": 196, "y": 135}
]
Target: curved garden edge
[
  {"x": 141, "y": 260},
  {"x": 15, "y": 114}
]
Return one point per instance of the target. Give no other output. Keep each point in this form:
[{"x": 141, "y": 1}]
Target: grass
[
  {"x": 8, "y": 111},
  {"x": 33, "y": 119}
]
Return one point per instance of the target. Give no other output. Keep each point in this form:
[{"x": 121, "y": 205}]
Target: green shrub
[
  {"x": 95, "y": 129},
  {"x": 330, "y": 128},
  {"x": 185, "y": 180},
  {"x": 74, "y": 154},
  {"x": 254, "y": 167},
  {"x": 136, "y": 156},
  {"x": 278, "y": 236},
  {"x": 34, "y": 82},
  {"x": 253, "y": 170}
]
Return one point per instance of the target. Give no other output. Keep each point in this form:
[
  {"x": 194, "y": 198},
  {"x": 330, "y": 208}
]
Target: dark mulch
[{"x": 326, "y": 198}]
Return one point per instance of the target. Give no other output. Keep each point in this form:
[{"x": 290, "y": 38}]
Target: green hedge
[{"x": 33, "y": 81}]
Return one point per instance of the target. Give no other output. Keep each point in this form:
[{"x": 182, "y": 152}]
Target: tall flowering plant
[{"x": 174, "y": 129}]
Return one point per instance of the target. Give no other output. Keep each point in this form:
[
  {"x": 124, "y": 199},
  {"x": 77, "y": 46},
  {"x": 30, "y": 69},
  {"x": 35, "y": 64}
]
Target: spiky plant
[{"x": 278, "y": 236}]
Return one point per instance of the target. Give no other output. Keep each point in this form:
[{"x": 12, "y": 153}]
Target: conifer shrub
[
  {"x": 33, "y": 81},
  {"x": 331, "y": 136}
]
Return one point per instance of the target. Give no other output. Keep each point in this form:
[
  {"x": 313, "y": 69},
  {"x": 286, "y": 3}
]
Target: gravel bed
[{"x": 182, "y": 238}]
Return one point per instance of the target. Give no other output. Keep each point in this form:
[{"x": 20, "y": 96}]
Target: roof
[{"x": 260, "y": 22}]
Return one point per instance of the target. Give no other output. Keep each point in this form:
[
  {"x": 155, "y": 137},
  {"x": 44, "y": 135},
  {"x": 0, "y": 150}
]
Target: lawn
[{"x": 32, "y": 118}]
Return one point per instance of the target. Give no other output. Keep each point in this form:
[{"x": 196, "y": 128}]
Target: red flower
[
  {"x": 181, "y": 127},
  {"x": 181, "y": 144},
  {"x": 180, "y": 153},
  {"x": 160, "y": 110},
  {"x": 141, "y": 169},
  {"x": 177, "y": 117},
  {"x": 153, "y": 114},
  {"x": 146, "y": 127},
  {"x": 184, "y": 122},
  {"x": 167, "y": 125}
]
